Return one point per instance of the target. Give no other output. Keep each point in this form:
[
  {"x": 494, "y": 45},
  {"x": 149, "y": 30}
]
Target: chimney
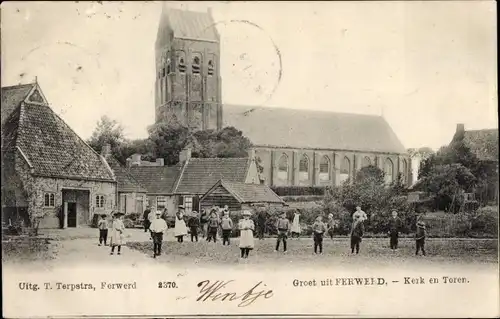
[
  {"x": 106, "y": 150},
  {"x": 185, "y": 155},
  {"x": 136, "y": 159},
  {"x": 160, "y": 162},
  {"x": 460, "y": 128}
]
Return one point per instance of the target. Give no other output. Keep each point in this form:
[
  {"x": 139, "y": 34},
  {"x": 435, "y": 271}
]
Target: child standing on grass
[
  {"x": 117, "y": 230},
  {"x": 420, "y": 235},
  {"x": 356, "y": 234},
  {"x": 296, "y": 225},
  {"x": 331, "y": 225},
  {"x": 319, "y": 229},
  {"x": 213, "y": 225},
  {"x": 283, "y": 227},
  {"x": 180, "y": 229},
  {"x": 157, "y": 228},
  {"x": 246, "y": 227},
  {"x": 103, "y": 230},
  {"x": 194, "y": 224},
  {"x": 227, "y": 227}
]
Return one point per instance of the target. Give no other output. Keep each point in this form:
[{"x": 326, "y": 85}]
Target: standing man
[
  {"x": 158, "y": 227},
  {"x": 146, "y": 221},
  {"x": 151, "y": 217},
  {"x": 394, "y": 226},
  {"x": 262, "y": 220},
  {"x": 283, "y": 227}
]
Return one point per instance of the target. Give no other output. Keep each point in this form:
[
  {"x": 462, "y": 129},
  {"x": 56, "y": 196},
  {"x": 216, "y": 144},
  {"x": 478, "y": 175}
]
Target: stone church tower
[{"x": 188, "y": 82}]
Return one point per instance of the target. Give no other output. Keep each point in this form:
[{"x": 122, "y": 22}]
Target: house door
[
  {"x": 139, "y": 206},
  {"x": 71, "y": 214}
]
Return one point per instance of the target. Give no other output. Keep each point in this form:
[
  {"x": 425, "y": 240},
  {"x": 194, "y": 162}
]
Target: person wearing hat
[
  {"x": 117, "y": 230},
  {"x": 420, "y": 235},
  {"x": 204, "y": 223},
  {"x": 180, "y": 229},
  {"x": 227, "y": 226},
  {"x": 246, "y": 227},
  {"x": 213, "y": 226},
  {"x": 394, "y": 226},
  {"x": 361, "y": 215},
  {"x": 103, "y": 225},
  {"x": 356, "y": 233},
  {"x": 158, "y": 227},
  {"x": 194, "y": 224},
  {"x": 319, "y": 229},
  {"x": 283, "y": 227}
]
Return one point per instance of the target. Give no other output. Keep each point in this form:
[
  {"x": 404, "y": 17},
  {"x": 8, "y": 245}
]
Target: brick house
[
  {"x": 47, "y": 169},
  {"x": 186, "y": 182},
  {"x": 240, "y": 196}
]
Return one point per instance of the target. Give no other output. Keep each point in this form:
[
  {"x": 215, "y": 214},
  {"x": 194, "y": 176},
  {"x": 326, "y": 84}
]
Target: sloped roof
[
  {"x": 271, "y": 126},
  {"x": 251, "y": 193},
  {"x": 124, "y": 179},
  {"x": 200, "y": 174},
  {"x": 51, "y": 147},
  {"x": 483, "y": 143},
  {"x": 12, "y": 96},
  {"x": 156, "y": 179},
  {"x": 185, "y": 24}
]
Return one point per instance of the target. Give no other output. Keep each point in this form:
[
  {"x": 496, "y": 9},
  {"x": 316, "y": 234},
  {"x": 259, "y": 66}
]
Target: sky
[{"x": 424, "y": 66}]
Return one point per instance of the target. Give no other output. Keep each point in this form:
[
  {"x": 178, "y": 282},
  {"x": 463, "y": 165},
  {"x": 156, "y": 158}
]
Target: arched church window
[
  {"x": 324, "y": 168},
  {"x": 182, "y": 65},
  {"x": 210, "y": 68},
  {"x": 404, "y": 172},
  {"x": 345, "y": 169},
  {"x": 283, "y": 167},
  {"x": 196, "y": 65},
  {"x": 304, "y": 168},
  {"x": 389, "y": 171},
  {"x": 169, "y": 68},
  {"x": 366, "y": 161}
]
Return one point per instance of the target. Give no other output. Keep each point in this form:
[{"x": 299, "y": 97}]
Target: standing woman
[
  {"x": 180, "y": 225},
  {"x": 296, "y": 225},
  {"x": 246, "y": 227},
  {"x": 117, "y": 230}
]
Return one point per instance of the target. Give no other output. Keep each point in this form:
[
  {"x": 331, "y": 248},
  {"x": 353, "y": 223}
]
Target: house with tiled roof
[
  {"x": 240, "y": 196},
  {"x": 47, "y": 169},
  {"x": 186, "y": 182},
  {"x": 294, "y": 147},
  {"x": 131, "y": 194}
]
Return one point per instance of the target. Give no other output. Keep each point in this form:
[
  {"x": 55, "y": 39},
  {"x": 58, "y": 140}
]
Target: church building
[{"x": 293, "y": 147}]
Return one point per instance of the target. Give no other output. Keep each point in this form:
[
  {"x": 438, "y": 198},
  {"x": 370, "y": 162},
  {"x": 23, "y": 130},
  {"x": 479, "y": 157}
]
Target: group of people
[{"x": 210, "y": 223}]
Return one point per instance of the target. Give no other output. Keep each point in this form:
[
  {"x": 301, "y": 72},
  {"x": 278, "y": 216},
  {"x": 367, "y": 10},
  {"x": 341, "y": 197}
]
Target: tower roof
[{"x": 186, "y": 25}]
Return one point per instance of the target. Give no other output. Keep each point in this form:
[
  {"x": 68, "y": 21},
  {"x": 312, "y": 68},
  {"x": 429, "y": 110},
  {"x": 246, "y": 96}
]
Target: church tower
[{"x": 188, "y": 83}]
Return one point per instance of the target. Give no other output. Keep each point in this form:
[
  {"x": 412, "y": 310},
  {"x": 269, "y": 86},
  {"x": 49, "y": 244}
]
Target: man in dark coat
[
  {"x": 261, "y": 223},
  {"x": 356, "y": 234},
  {"x": 394, "y": 226},
  {"x": 146, "y": 221}
]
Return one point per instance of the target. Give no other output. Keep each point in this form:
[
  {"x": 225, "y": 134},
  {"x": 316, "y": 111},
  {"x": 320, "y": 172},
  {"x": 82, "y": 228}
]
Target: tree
[
  {"x": 447, "y": 182},
  {"x": 168, "y": 141},
  {"x": 107, "y": 131}
]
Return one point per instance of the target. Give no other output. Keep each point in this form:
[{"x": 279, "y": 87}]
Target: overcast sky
[{"x": 427, "y": 65}]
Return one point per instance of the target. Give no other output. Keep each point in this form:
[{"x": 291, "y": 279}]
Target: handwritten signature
[{"x": 215, "y": 291}]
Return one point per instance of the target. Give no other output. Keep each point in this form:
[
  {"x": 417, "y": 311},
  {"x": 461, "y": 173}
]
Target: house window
[
  {"x": 210, "y": 68},
  {"x": 345, "y": 170},
  {"x": 324, "y": 169},
  {"x": 147, "y": 201},
  {"x": 196, "y": 65},
  {"x": 283, "y": 167},
  {"x": 182, "y": 65},
  {"x": 49, "y": 200},
  {"x": 161, "y": 202},
  {"x": 99, "y": 201},
  {"x": 188, "y": 203},
  {"x": 366, "y": 161},
  {"x": 304, "y": 168},
  {"x": 389, "y": 171},
  {"x": 163, "y": 72},
  {"x": 168, "y": 67}
]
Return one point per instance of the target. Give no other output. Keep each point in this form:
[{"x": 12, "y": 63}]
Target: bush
[{"x": 485, "y": 220}]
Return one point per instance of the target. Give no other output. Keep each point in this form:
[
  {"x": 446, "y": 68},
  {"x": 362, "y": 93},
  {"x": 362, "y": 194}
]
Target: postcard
[{"x": 249, "y": 159}]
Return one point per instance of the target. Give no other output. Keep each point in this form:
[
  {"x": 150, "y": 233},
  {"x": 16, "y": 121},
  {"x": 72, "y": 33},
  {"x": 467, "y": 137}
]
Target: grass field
[{"x": 374, "y": 251}]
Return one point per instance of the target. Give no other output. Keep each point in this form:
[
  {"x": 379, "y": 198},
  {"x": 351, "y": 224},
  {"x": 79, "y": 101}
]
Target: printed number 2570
[{"x": 167, "y": 284}]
